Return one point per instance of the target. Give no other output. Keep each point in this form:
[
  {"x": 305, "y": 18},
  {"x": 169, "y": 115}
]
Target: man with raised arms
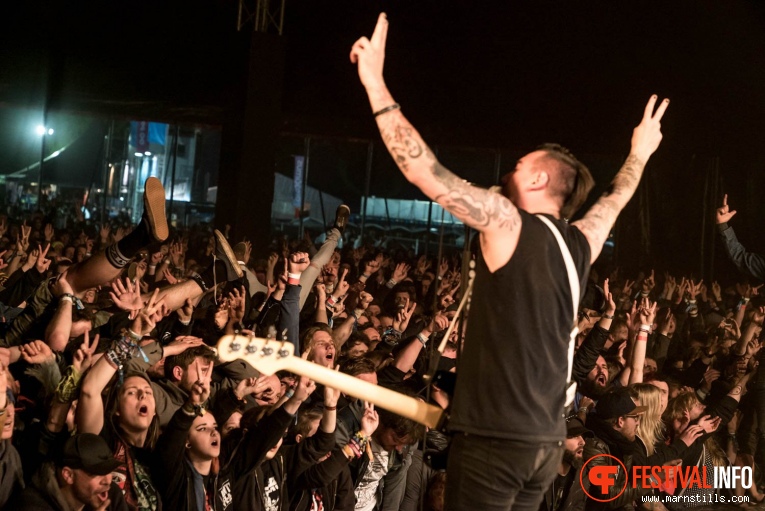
[{"x": 508, "y": 411}]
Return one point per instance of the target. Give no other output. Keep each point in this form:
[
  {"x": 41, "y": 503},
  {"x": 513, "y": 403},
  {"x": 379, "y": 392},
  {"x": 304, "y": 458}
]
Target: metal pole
[
  {"x": 305, "y": 181},
  {"x": 367, "y": 184},
  {"x": 172, "y": 177},
  {"x": 42, "y": 157},
  {"x": 105, "y": 166}
]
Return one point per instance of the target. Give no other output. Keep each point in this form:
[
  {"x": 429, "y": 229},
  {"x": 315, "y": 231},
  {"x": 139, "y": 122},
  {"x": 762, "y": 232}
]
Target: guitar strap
[{"x": 573, "y": 280}]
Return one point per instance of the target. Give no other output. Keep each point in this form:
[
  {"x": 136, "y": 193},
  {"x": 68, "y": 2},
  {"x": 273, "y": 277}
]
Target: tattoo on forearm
[
  {"x": 476, "y": 206},
  {"x": 599, "y": 220}
]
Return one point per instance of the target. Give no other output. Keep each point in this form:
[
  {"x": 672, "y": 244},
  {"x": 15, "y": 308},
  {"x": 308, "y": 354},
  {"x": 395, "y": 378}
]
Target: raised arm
[
  {"x": 748, "y": 262},
  {"x": 600, "y": 219},
  {"x": 484, "y": 210}
]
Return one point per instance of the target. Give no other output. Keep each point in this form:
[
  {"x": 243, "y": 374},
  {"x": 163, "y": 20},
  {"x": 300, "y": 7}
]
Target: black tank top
[{"x": 512, "y": 372}]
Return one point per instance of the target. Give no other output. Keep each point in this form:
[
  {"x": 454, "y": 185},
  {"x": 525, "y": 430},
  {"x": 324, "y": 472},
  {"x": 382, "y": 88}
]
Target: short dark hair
[
  {"x": 357, "y": 366},
  {"x": 401, "y": 426},
  {"x": 183, "y": 360},
  {"x": 570, "y": 181}
]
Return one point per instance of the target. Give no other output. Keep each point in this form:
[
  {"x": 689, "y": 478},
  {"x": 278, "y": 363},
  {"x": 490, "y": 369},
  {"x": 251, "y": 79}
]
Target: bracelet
[
  {"x": 607, "y": 316},
  {"x": 394, "y": 106},
  {"x": 330, "y": 408},
  {"x": 66, "y": 298},
  {"x": 134, "y": 335},
  {"x": 645, "y": 328},
  {"x": 391, "y": 283},
  {"x": 294, "y": 275},
  {"x": 423, "y": 339}
]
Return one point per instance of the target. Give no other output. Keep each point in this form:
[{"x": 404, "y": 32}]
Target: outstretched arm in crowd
[
  {"x": 59, "y": 329},
  {"x": 600, "y": 219},
  {"x": 647, "y": 313},
  {"x": 486, "y": 211},
  {"x": 749, "y": 263}
]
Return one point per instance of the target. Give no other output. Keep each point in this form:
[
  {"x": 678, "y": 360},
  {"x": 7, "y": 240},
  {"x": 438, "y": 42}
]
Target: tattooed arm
[
  {"x": 600, "y": 219},
  {"x": 486, "y": 211}
]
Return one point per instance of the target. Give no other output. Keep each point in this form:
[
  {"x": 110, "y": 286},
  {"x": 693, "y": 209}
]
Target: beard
[
  {"x": 593, "y": 390},
  {"x": 572, "y": 459}
]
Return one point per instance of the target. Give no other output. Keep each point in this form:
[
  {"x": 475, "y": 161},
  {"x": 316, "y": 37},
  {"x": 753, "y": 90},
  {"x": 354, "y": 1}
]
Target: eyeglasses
[{"x": 634, "y": 417}]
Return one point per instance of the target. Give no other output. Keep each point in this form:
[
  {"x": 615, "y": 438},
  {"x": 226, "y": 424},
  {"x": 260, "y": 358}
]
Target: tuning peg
[
  {"x": 267, "y": 351},
  {"x": 282, "y": 352}
]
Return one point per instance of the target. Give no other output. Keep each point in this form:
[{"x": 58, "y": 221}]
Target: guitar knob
[
  {"x": 235, "y": 346},
  {"x": 284, "y": 353},
  {"x": 251, "y": 349},
  {"x": 267, "y": 351}
]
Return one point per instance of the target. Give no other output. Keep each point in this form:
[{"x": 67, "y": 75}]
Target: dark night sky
[{"x": 494, "y": 74}]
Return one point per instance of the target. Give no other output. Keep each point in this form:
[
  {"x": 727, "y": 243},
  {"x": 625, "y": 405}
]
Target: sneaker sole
[
  {"x": 154, "y": 205},
  {"x": 221, "y": 241}
]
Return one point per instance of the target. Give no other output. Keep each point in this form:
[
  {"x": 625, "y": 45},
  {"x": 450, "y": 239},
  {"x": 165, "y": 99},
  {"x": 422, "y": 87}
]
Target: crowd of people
[{"x": 112, "y": 396}]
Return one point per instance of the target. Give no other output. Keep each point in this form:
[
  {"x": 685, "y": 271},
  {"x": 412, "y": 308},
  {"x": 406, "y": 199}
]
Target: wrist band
[
  {"x": 423, "y": 339},
  {"x": 391, "y": 283},
  {"x": 133, "y": 335},
  {"x": 66, "y": 298},
  {"x": 330, "y": 301},
  {"x": 394, "y": 106},
  {"x": 293, "y": 282},
  {"x": 607, "y": 316},
  {"x": 330, "y": 408},
  {"x": 294, "y": 275}
]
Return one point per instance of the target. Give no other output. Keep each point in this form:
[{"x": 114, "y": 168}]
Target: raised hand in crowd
[
  {"x": 126, "y": 296},
  {"x": 723, "y": 213}
]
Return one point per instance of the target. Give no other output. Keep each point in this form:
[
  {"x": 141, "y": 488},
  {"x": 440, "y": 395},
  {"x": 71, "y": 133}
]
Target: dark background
[{"x": 492, "y": 76}]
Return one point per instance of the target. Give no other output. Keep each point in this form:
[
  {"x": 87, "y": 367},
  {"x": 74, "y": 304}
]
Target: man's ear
[
  {"x": 177, "y": 373},
  {"x": 540, "y": 181},
  {"x": 68, "y": 475},
  {"x": 298, "y": 438}
]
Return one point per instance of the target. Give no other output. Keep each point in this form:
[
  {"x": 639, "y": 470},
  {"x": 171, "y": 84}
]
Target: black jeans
[{"x": 489, "y": 474}]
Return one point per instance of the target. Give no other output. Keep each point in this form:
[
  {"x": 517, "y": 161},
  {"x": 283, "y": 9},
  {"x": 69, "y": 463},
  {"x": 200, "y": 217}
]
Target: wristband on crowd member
[
  {"x": 423, "y": 339},
  {"x": 645, "y": 294},
  {"x": 364, "y": 277},
  {"x": 133, "y": 335},
  {"x": 293, "y": 279},
  {"x": 391, "y": 283},
  {"x": 607, "y": 316},
  {"x": 331, "y": 301},
  {"x": 330, "y": 408},
  {"x": 184, "y": 323},
  {"x": 357, "y": 313},
  {"x": 645, "y": 328},
  {"x": 701, "y": 394},
  {"x": 389, "y": 108},
  {"x": 642, "y": 335},
  {"x": 66, "y": 297}
]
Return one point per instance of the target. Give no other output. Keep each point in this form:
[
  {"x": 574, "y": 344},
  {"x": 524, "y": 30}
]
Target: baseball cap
[
  {"x": 575, "y": 427},
  {"x": 617, "y": 403},
  {"x": 90, "y": 453}
]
